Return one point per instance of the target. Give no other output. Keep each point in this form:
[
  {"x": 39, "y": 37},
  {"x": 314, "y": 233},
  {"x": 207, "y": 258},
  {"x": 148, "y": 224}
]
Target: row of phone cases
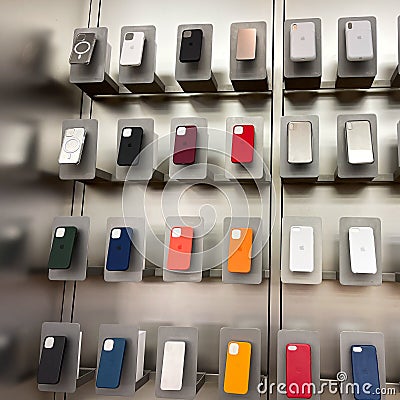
[
  {"x": 298, "y": 359},
  {"x": 363, "y": 258},
  {"x": 299, "y": 138},
  {"x": 184, "y": 152},
  {"x": 179, "y": 253},
  {"x": 358, "y": 142},
  {"x": 358, "y": 40},
  {"x": 358, "y": 37},
  {"x": 133, "y": 47},
  {"x": 114, "y": 351}
]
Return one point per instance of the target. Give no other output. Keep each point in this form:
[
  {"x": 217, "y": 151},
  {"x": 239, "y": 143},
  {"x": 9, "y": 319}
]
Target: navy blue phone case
[
  {"x": 110, "y": 365},
  {"x": 365, "y": 373},
  {"x": 119, "y": 251}
]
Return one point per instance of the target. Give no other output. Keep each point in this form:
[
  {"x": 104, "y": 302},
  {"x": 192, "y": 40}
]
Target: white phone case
[
  {"x": 359, "y": 46},
  {"x": 299, "y": 142},
  {"x": 362, "y": 250},
  {"x": 301, "y": 253},
  {"x": 132, "y": 49},
  {"x": 72, "y": 146},
  {"x": 359, "y": 142},
  {"x": 172, "y": 365},
  {"x": 302, "y": 42}
]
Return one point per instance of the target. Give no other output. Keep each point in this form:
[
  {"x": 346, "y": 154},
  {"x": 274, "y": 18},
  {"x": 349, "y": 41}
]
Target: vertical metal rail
[{"x": 275, "y": 287}]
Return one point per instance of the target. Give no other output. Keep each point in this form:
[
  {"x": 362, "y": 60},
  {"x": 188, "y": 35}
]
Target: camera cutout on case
[
  {"x": 181, "y": 130},
  {"x": 233, "y": 349},
  {"x": 176, "y": 232},
  {"x": 357, "y": 349},
  {"x": 127, "y": 132},
  {"x": 108, "y": 345},
  {"x": 236, "y": 234},
  {"x": 60, "y": 232},
  {"x": 49, "y": 342},
  {"x": 292, "y": 348},
  {"x": 238, "y": 130},
  {"x": 116, "y": 233}
]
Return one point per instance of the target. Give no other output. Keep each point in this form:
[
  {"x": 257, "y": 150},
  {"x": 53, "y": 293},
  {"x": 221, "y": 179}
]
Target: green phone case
[{"x": 62, "y": 248}]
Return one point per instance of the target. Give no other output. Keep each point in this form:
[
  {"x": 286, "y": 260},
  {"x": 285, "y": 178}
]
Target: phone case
[
  {"x": 191, "y": 43},
  {"x": 302, "y": 42},
  {"x": 130, "y": 146},
  {"x": 299, "y": 142},
  {"x": 242, "y": 144},
  {"x": 82, "y": 48},
  {"x": 237, "y": 368},
  {"x": 172, "y": 365},
  {"x": 119, "y": 249},
  {"x": 364, "y": 364},
  {"x": 240, "y": 247},
  {"x": 111, "y": 362},
  {"x": 359, "y": 142},
  {"x": 359, "y": 45},
  {"x": 298, "y": 371},
  {"x": 51, "y": 360},
  {"x": 301, "y": 252},
  {"x": 362, "y": 250},
  {"x": 185, "y": 145},
  {"x": 180, "y": 248},
  {"x": 246, "y": 44},
  {"x": 132, "y": 49},
  {"x": 62, "y": 247},
  {"x": 72, "y": 146}
]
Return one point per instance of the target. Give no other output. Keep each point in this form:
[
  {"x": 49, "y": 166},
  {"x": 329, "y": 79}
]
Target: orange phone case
[
  {"x": 180, "y": 249},
  {"x": 239, "y": 258},
  {"x": 237, "y": 369}
]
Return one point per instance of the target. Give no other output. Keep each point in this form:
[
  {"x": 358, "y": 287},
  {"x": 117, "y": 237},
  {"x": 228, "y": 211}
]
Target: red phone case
[
  {"x": 185, "y": 146},
  {"x": 180, "y": 249},
  {"x": 298, "y": 371},
  {"x": 242, "y": 144}
]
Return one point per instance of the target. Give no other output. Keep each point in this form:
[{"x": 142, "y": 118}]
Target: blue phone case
[
  {"x": 365, "y": 371},
  {"x": 119, "y": 250},
  {"x": 110, "y": 365}
]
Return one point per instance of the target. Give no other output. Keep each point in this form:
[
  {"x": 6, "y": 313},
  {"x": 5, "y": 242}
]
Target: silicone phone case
[
  {"x": 110, "y": 365},
  {"x": 119, "y": 249},
  {"x": 298, "y": 371},
  {"x": 191, "y": 43},
  {"x": 242, "y": 144},
  {"x": 364, "y": 364},
  {"x": 240, "y": 246},
  {"x": 130, "y": 146},
  {"x": 185, "y": 145},
  {"x": 237, "y": 368},
  {"x": 51, "y": 360},
  {"x": 180, "y": 248},
  {"x": 62, "y": 247},
  {"x": 173, "y": 364}
]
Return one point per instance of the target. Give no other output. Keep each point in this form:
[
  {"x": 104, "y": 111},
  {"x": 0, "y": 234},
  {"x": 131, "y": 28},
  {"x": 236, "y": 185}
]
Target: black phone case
[
  {"x": 130, "y": 147},
  {"x": 51, "y": 360},
  {"x": 191, "y": 46}
]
